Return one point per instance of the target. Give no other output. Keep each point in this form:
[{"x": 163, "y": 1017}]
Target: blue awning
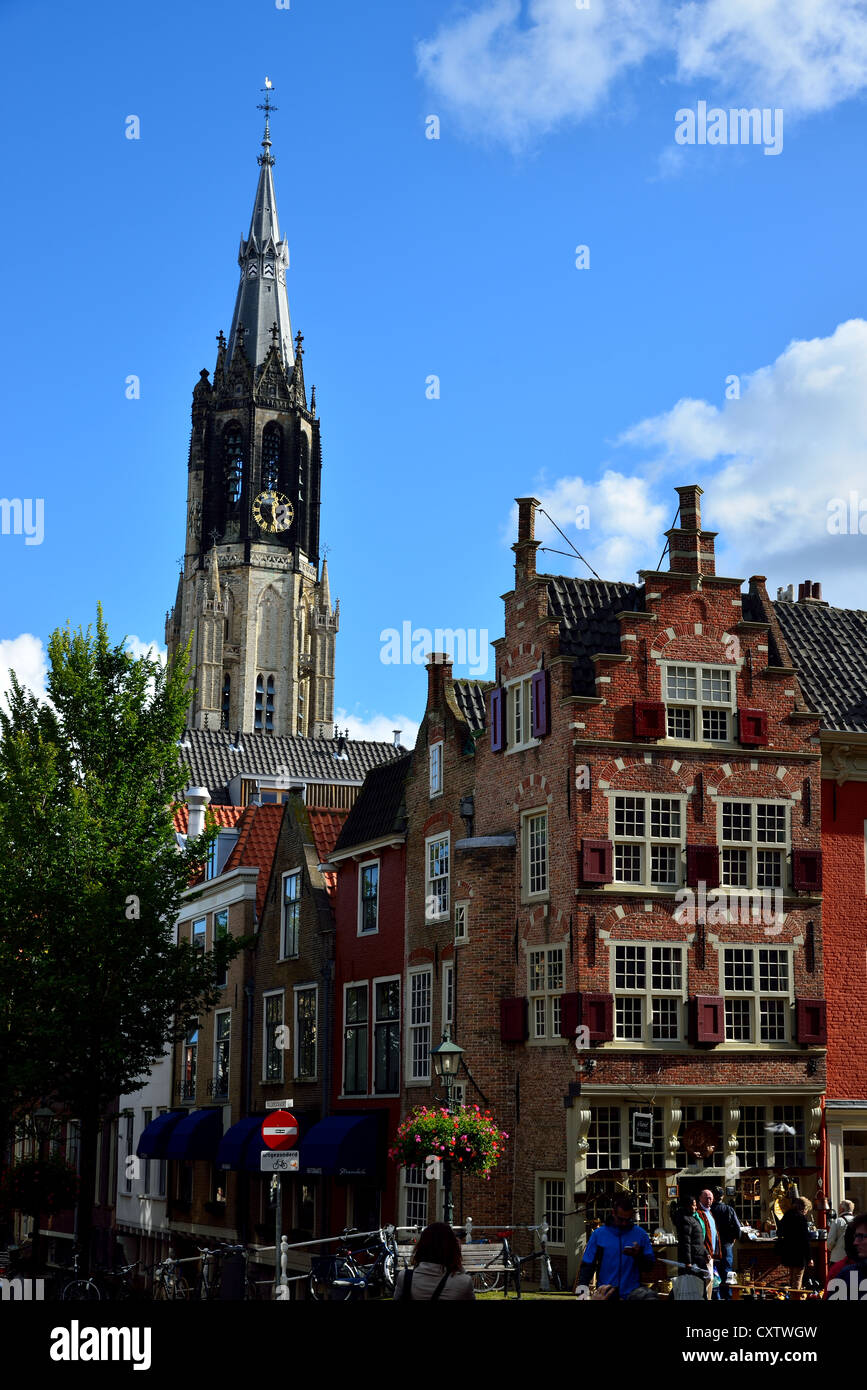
[
  {"x": 197, "y": 1135},
  {"x": 342, "y": 1145},
  {"x": 241, "y": 1146},
  {"x": 155, "y": 1136}
]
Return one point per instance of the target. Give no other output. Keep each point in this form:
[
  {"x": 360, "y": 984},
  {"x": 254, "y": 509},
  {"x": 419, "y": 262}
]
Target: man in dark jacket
[
  {"x": 623, "y": 1250},
  {"x": 728, "y": 1229}
]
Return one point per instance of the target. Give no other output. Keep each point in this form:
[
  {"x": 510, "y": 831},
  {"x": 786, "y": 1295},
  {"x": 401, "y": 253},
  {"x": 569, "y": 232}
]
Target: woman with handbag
[
  {"x": 437, "y": 1268},
  {"x": 793, "y": 1241}
]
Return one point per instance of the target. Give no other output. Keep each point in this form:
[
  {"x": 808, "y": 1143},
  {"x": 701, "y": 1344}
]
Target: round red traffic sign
[{"x": 280, "y": 1130}]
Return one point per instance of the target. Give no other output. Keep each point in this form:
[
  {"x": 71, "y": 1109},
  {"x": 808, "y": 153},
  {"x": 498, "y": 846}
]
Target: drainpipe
[{"x": 244, "y": 1180}]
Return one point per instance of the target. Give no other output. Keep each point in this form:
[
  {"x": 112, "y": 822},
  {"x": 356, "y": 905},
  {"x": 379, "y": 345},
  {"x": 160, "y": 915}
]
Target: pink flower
[{"x": 418, "y": 1138}]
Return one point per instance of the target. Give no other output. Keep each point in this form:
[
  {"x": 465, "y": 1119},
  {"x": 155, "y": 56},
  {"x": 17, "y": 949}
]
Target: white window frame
[
  {"x": 648, "y": 993},
  {"x": 448, "y": 988},
  {"x": 549, "y": 998},
  {"x": 375, "y": 1022},
  {"x": 220, "y": 1013},
  {"x": 284, "y": 955},
  {"x": 462, "y": 918},
  {"x": 430, "y": 893},
  {"x": 199, "y": 939},
  {"x": 519, "y": 702},
  {"x": 435, "y": 768},
  {"x": 648, "y": 841},
  {"x": 365, "y": 986},
  {"x": 368, "y": 864},
  {"x": 757, "y": 994},
  {"x": 420, "y": 1078},
  {"x": 700, "y": 704},
  {"x": 543, "y": 1208},
  {"x": 281, "y": 995},
  {"x": 527, "y": 818},
  {"x": 147, "y": 1116},
  {"x": 303, "y": 988},
  {"x": 754, "y": 845},
  {"x": 417, "y": 1186}
]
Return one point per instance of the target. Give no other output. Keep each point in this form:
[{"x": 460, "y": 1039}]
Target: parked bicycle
[
  {"x": 347, "y": 1276},
  {"x": 209, "y": 1284},
  {"x": 485, "y": 1281},
  {"x": 117, "y": 1284},
  {"x": 79, "y": 1288},
  {"x": 168, "y": 1283}
]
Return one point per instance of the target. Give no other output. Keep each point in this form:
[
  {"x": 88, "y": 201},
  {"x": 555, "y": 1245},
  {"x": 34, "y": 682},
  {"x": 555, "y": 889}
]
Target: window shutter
[
  {"x": 597, "y": 861},
  {"x": 540, "y": 717},
  {"x": 648, "y": 719},
  {"x": 707, "y": 1020},
  {"x": 812, "y": 1021},
  {"x": 597, "y": 1014},
  {"x": 570, "y": 1014},
  {"x": 702, "y": 866},
  {"x": 806, "y": 870},
  {"x": 753, "y": 727},
  {"x": 513, "y": 1020},
  {"x": 496, "y": 719}
]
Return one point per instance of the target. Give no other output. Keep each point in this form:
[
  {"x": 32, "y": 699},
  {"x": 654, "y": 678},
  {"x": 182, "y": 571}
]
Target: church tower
[{"x": 251, "y": 595}]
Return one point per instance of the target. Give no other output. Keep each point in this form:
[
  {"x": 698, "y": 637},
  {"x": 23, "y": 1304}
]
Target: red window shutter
[
  {"x": 812, "y": 1021},
  {"x": 806, "y": 870},
  {"x": 707, "y": 1020},
  {"x": 540, "y": 717},
  {"x": 570, "y": 1014},
  {"x": 597, "y": 1014},
  {"x": 513, "y": 1020},
  {"x": 702, "y": 866},
  {"x": 753, "y": 727},
  {"x": 648, "y": 719},
  {"x": 597, "y": 861},
  {"x": 496, "y": 719}
]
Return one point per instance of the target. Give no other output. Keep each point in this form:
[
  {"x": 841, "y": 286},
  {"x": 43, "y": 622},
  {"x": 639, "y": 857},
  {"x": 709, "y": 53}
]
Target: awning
[
  {"x": 240, "y": 1146},
  {"x": 344, "y": 1146},
  {"x": 197, "y": 1135},
  {"x": 155, "y": 1136}
]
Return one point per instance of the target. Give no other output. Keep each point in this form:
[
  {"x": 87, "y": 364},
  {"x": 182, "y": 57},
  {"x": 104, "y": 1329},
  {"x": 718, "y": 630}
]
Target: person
[
  {"x": 711, "y": 1236},
  {"x": 437, "y": 1268},
  {"x": 837, "y": 1232},
  {"x": 622, "y": 1249},
  {"x": 793, "y": 1241},
  {"x": 728, "y": 1229},
  {"x": 690, "y": 1236},
  {"x": 854, "y": 1261}
]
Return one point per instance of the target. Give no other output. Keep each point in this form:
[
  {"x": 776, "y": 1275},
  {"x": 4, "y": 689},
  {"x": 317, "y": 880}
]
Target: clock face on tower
[{"x": 273, "y": 512}]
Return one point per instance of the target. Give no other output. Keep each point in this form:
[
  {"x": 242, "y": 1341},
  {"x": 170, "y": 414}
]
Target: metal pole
[
  {"x": 279, "y": 1229},
  {"x": 544, "y": 1282}
]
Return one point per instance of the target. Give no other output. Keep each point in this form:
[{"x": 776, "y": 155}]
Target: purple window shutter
[
  {"x": 807, "y": 870},
  {"x": 597, "y": 858},
  {"x": 513, "y": 1020},
  {"x": 648, "y": 719},
  {"x": 597, "y": 1015},
  {"x": 812, "y": 1021},
  {"x": 707, "y": 1018},
  {"x": 496, "y": 721},
  {"x": 753, "y": 727},
  {"x": 702, "y": 866},
  {"x": 539, "y": 704},
  {"x": 570, "y": 1014}
]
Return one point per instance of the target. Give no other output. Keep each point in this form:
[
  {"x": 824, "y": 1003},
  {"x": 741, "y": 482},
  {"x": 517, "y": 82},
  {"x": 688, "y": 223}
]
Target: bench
[{"x": 479, "y": 1258}]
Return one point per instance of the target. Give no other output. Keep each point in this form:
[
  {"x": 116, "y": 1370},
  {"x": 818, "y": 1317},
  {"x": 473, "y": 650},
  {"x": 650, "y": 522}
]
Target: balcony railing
[
  {"x": 186, "y": 1091},
  {"x": 218, "y": 1087}
]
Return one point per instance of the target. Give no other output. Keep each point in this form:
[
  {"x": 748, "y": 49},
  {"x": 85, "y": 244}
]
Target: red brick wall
[{"x": 845, "y": 932}]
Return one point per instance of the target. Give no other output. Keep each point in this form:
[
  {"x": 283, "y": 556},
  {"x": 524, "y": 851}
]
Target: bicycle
[
  {"x": 80, "y": 1289},
  {"x": 126, "y": 1289},
  {"x": 168, "y": 1284},
  {"x": 209, "y": 1283},
  {"x": 351, "y": 1280},
  {"x": 554, "y": 1282}
]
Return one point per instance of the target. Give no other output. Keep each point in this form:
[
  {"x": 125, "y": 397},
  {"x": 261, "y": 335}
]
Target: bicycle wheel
[
  {"x": 485, "y": 1281},
  {"x": 317, "y": 1287},
  {"x": 81, "y": 1291},
  {"x": 181, "y": 1289}
]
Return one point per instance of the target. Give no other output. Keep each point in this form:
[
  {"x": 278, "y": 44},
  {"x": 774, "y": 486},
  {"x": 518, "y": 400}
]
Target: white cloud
[
  {"x": 26, "y": 656},
  {"x": 512, "y": 74},
  {"x": 378, "y": 727},
  {"x": 136, "y": 647}
]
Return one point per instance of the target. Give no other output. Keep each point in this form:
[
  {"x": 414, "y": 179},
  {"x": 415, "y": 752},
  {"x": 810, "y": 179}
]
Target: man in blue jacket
[{"x": 622, "y": 1250}]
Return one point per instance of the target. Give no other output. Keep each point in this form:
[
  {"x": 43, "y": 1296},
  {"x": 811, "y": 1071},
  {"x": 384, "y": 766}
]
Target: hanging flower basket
[
  {"x": 38, "y": 1186},
  {"x": 468, "y": 1138}
]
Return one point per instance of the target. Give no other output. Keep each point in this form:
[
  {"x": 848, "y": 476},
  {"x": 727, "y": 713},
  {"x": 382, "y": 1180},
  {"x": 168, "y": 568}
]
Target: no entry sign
[{"x": 280, "y": 1130}]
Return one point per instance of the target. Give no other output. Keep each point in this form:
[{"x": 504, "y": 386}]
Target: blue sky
[{"x": 413, "y": 257}]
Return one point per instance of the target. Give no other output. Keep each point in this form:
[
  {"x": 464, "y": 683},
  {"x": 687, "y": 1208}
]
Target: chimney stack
[
  {"x": 808, "y": 592},
  {"x": 526, "y": 545},
  {"x": 690, "y": 548},
  {"x": 397, "y": 733},
  {"x": 439, "y": 670},
  {"x": 197, "y": 799}
]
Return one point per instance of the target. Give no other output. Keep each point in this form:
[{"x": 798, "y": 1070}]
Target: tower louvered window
[
  {"x": 234, "y": 459},
  {"x": 227, "y": 690},
  {"x": 269, "y": 706},
  {"x": 271, "y": 446},
  {"x": 260, "y": 703}
]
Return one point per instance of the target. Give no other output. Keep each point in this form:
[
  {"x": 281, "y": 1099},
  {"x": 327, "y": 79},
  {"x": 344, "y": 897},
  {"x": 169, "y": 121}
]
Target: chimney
[
  {"x": 526, "y": 545},
  {"x": 786, "y": 595},
  {"x": 397, "y": 733},
  {"x": 439, "y": 670},
  {"x": 808, "y": 592},
  {"x": 690, "y": 549},
  {"x": 197, "y": 799}
]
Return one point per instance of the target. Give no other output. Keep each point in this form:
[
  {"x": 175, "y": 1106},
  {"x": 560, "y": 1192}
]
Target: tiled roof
[
  {"x": 470, "y": 697},
  {"x": 585, "y": 609},
  {"x": 379, "y": 808},
  {"x": 829, "y": 648},
  {"x": 258, "y": 830},
  {"x": 224, "y": 815},
  {"x": 326, "y": 827},
  {"x": 212, "y": 764}
]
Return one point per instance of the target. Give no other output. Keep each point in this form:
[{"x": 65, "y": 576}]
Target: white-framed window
[
  {"x": 551, "y": 1206},
  {"x": 146, "y": 1118},
  {"x": 198, "y": 933},
  {"x": 648, "y": 836},
  {"x": 290, "y": 929},
  {"x": 420, "y": 1019},
  {"x": 519, "y": 713},
  {"x": 462, "y": 921},
  {"x": 273, "y": 1035},
  {"x": 754, "y": 839},
  {"x": 448, "y": 1014},
  {"x": 435, "y": 768},
  {"x": 128, "y": 1168},
  {"x": 221, "y": 929},
  {"x": 222, "y": 1053},
  {"x": 603, "y": 1138},
  {"x": 437, "y": 877},
  {"x": 534, "y": 854},
  {"x": 649, "y": 987},
  {"x": 306, "y": 1024},
  {"x": 355, "y": 1039},
  {"x": 757, "y": 986},
  {"x": 546, "y": 983},
  {"x": 699, "y": 702},
  {"x": 368, "y": 897},
  {"x": 386, "y": 1036},
  {"x": 191, "y": 1054},
  {"x": 414, "y": 1192}
]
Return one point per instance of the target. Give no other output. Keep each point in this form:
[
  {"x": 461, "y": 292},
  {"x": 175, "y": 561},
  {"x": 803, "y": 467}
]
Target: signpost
[{"x": 279, "y": 1132}]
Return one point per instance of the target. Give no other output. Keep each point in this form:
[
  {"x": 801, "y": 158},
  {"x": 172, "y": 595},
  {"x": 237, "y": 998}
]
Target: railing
[
  {"x": 218, "y": 1087},
  {"x": 185, "y": 1090}
]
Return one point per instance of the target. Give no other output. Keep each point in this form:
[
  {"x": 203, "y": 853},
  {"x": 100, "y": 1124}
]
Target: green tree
[{"x": 93, "y": 985}]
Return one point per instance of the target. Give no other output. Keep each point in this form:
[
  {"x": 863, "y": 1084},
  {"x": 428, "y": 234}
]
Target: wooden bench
[{"x": 479, "y": 1258}]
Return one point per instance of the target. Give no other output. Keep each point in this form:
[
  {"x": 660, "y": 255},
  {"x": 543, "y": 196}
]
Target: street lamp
[
  {"x": 447, "y": 1060},
  {"x": 42, "y": 1124}
]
